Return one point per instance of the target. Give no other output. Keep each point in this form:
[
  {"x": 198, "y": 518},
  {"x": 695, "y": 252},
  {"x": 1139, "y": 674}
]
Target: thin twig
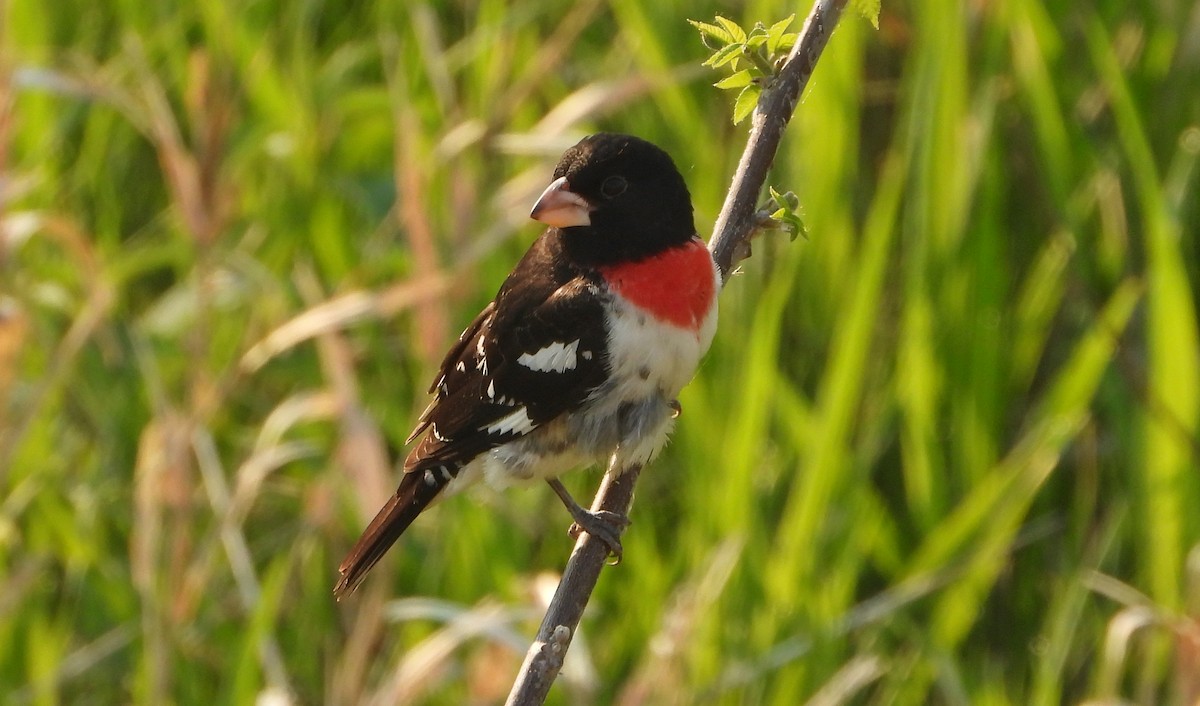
[{"x": 729, "y": 245}]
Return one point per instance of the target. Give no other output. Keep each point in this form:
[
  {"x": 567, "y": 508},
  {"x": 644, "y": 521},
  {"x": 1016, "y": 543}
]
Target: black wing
[
  {"x": 537, "y": 351},
  {"x": 519, "y": 368}
]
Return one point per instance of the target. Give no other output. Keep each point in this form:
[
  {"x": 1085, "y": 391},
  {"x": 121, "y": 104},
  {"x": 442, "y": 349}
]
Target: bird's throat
[{"x": 676, "y": 286}]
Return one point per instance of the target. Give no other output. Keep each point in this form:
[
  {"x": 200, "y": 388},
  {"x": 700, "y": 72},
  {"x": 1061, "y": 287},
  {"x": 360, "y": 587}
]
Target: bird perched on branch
[{"x": 579, "y": 358}]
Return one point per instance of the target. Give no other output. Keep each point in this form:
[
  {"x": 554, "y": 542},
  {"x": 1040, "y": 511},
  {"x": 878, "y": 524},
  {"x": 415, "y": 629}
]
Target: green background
[{"x": 943, "y": 451}]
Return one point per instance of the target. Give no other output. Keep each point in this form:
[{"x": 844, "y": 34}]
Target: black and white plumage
[{"x": 584, "y": 349}]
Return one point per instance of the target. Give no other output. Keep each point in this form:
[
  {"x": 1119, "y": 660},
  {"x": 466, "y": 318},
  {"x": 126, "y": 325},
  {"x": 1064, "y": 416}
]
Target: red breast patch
[{"x": 676, "y": 286}]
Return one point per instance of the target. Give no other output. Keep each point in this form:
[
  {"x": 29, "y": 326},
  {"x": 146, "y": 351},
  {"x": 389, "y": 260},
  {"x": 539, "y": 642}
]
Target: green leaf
[
  {"x": 734, "y": 29},
  {"x": 787, "y": 199},
  {"x": 712, "y": 31},
  {"x": 745, "y": 103},
  {"x": 799, "y": 228},
  {"x": 790, "y": 223},
  {"x": 738, "y": 80},
  {"x": 868, "y": 9},
  {"x": 777, "y": 32},
  {"x": 786, "y": 217},
  {"x": 726, "y": 54}
]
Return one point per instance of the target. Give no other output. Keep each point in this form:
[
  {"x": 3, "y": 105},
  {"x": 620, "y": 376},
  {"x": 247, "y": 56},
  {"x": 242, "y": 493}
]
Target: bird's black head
[{"x": 616, "y": 198}]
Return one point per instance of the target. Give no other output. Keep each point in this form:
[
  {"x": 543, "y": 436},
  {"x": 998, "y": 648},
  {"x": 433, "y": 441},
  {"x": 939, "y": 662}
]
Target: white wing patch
[
  {"x": 516, "y": 422},
  {"x": 481, "y": 364},
  {"x": 557, "y": 357}
]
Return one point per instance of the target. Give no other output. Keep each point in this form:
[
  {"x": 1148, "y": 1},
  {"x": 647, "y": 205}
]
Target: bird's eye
[{"x": 613, "y": 187}]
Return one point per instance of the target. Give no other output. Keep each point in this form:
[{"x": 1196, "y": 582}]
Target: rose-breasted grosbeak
[{"x": 582, "y": 353}]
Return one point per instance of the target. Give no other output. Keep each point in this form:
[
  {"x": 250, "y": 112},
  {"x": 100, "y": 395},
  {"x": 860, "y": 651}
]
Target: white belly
[{"x": 647, "y": 356}]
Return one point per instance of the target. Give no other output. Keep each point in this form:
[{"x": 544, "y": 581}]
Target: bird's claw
[{"x": 605, "y": 526}]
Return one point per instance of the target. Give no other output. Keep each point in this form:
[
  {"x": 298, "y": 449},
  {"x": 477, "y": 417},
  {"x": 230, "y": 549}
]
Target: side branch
[{"x": 729, "y": 245}]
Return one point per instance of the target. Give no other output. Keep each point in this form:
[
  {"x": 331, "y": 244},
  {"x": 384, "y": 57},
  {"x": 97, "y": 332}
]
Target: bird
[{"x": 580, "y": 357}]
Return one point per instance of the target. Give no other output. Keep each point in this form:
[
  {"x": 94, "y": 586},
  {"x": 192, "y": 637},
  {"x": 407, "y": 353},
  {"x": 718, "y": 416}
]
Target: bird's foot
[{"x": 604, "y": 525}]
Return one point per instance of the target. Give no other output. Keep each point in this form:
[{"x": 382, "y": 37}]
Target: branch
[
  {"x": 730, "y": 244},
  {"x": 736, "y": 224},
  {"x": 545, "y": 656}
]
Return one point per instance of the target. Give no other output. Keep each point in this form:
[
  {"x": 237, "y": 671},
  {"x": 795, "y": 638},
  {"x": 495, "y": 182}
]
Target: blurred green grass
[{"x": 945, "y": 451}]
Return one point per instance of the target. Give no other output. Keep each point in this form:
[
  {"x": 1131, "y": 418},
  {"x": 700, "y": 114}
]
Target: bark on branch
[{"x": 730, "y": 244}]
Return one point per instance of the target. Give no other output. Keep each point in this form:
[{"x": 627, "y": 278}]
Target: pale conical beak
[{"x": 560, "y": 207}]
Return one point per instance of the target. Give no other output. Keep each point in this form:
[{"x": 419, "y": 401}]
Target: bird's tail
[{"x": 417, "y": 489}]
